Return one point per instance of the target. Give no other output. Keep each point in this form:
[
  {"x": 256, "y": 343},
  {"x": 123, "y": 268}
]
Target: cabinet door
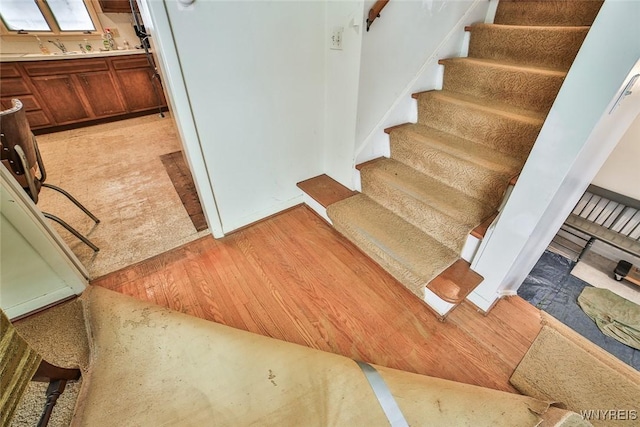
[
  {"x": 61, "y": 97},
  {"x": 101, "y": 92},
  {"x": 138, "y": 89},
  {"x": 116, "y": 6}
]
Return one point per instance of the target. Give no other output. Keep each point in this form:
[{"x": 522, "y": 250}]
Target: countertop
[{"x": 13, "y": 57}]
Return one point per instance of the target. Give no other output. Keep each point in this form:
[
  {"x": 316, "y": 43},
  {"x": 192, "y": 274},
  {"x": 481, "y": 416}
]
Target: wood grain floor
[{"x": 294, "y": 278}]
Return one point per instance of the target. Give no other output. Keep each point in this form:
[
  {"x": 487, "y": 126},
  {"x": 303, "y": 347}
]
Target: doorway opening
[
  {"x": 576, "y": 260},
  {"x": 132, "y": 175}
]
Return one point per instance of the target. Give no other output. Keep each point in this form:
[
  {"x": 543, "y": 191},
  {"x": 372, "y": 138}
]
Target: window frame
[{"x": 49, "y": 17}]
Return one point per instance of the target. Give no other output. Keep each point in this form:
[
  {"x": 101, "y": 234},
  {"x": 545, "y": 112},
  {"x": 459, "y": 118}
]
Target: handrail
[{"x": 375, "y": 12}]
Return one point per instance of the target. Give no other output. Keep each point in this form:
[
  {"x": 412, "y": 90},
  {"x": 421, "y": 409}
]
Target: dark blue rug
[{"x": 552, "y": 288}]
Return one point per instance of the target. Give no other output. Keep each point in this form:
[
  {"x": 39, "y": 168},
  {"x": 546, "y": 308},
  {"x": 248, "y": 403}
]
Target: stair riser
[
  {"x": 550, "y": 13},
  {"x": 433, "y": 222},
  {"x": 527, "y": 46},
  {"x": 507, "y": 134},
  {"x": 519, "y": 88},
  {"x": 465, "y": 176}
]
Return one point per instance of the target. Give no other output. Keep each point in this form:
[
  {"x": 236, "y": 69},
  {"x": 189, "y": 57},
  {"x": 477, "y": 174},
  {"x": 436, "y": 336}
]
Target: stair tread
[
  {"x": 545, "y": 13},
  {"x": 425, "y": 189},
  {"x": 541, "y": 28},
  {"x": 486, "y": 104},
  {"x": 509, "y": 65},
  {"x": 325, "y": 190},
  {"x": 549, "y": 46},
  {"x": 525, "y": 87},
  {"x": 409, "y": 254},
  {"x": 456, "y": 282},
  {"x": 462, "y": 148}
]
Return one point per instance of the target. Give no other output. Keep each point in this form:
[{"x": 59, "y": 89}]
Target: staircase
[{"x": 449, "y": 172}]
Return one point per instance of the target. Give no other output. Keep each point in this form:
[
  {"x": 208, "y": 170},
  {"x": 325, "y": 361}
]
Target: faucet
[{"x": 59, "y": 45}]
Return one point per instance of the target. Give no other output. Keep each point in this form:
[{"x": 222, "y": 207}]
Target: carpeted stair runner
[
  {"x": 448, "y": 172},
  {"x": 498, "y": 80}
]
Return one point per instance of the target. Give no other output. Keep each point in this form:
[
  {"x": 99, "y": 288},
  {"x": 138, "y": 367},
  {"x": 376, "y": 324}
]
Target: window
[
  {"x": 22, "y": 15},
  {"x": 48, "y": 16}
]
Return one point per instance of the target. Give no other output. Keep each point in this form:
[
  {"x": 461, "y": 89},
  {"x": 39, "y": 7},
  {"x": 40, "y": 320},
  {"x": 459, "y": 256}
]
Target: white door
[{"x": 36, "y": 267}]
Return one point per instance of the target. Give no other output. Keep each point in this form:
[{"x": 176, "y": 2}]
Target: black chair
[{"x": 20, "y": 155}]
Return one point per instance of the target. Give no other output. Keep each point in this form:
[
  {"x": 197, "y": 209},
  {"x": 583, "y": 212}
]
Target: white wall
[
  {"x": 254, "y": 74},
  {"x": 341, "y": 88},
  {"x": 269, "y": 104},
  {"x": 621, "y": 172},
  {"x": 400, "y": 56},
  {"x": 574, "y": 142}
]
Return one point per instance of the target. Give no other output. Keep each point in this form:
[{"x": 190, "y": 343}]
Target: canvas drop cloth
[
  {"x": 151, "y": 366},
  {"x": 615, "y": 316}
]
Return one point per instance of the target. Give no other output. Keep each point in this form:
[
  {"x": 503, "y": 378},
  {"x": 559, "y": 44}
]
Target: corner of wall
[
  {"x": 384, "y": 95},
  {"x": 342, "y": 71}
]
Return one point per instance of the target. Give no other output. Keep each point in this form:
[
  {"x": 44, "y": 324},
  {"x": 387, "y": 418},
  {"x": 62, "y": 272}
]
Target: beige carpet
[
  {"x": 564, "y": 367},
  {"x": 115, "y": 170},
  {"x": 449, "y": 172},
  {"x": 59, "y": 335},
  {"x": 153, "y": 366},
  {"x": 597, "y": 271}
]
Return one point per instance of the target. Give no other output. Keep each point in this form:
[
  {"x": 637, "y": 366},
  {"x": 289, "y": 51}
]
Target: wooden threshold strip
[{"x": 325, "y": 190}]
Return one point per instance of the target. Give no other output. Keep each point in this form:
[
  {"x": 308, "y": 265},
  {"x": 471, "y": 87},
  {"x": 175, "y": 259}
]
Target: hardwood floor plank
[
  {"x": 293, "y": 277},
  {"x": 199, "y": 280}
]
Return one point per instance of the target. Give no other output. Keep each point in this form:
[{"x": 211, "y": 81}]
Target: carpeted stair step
[
  {"x": 551, "y": 47},
  {"x": 475, "y": 169},
  {"x": 410, "y": 255},
  {"x": 506, "y": 129},
  {"x": 531, "y": 88},
  {"x": 547, "y": 12},
  {"x": 443, "y": 212}
]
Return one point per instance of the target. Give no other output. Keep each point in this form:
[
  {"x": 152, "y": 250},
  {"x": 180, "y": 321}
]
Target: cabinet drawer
[
  {"x": 9, "y": 70},
  {"x": 140, "y": 61},
  {"x": 29, "y": 101},
  {"x": 11, "y": 87},
  {"x": 65, "y": 66},
  {"x": 38, "y": 119}
]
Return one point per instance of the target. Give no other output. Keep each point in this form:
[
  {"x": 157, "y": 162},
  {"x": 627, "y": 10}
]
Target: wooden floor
[{"x": 294, "y": 278}]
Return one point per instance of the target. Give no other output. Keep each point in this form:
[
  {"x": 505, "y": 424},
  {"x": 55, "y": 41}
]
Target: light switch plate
[{"x": 336, "y": 38}]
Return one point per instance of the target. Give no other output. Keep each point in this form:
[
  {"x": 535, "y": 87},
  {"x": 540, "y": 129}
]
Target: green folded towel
[{"x": 615, "y": 316}]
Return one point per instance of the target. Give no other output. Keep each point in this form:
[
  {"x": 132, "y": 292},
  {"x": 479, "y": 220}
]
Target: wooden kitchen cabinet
[
  {"x": 59, "y": 94},
  {"x": 14, "y": 85},
  {"x": 101, "y": 93},
  {"x": 61, "y": 97},
  {"x": 135, "y": 77},
  {"x": 115, "y": 6}
]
